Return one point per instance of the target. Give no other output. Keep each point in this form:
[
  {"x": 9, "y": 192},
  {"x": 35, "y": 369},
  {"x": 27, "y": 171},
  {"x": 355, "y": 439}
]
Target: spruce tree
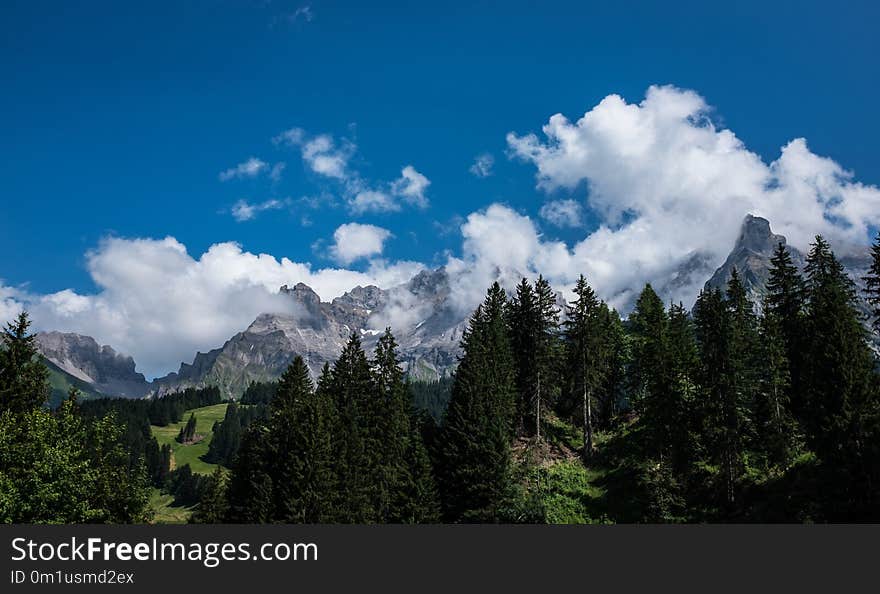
[
  {"x": 250, "y": 490},
  {"x": 300, "y": 425},
  {"x": 24, "y": 377},
  {"x": 534, "y": 328},
  {"x": 474, "y": 444},
  {"x": 837, "y": 381},
  {"x": 358, "y": 451},
  {"x": 872, "y": 285},
  {"x": 585, "y": 356},
  {"x": 775, "y": 427},
  {"x": 390, "y": 430},
  {"x": 651, "y": 372},
  {"x": 213, "y": 504},
  {"x": 739, "y": 382},
  {"x": 785, "y": 302},
  {"x": 682, "y": 405},
  {"x": 547, "y": 350},
  {"x": 523, "y": 320}
]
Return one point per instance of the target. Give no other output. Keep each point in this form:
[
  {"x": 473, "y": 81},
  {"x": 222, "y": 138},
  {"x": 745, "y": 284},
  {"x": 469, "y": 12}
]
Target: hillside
[
  {"x": 191, "y": 454},
  {"x": 61, "y": 382}
]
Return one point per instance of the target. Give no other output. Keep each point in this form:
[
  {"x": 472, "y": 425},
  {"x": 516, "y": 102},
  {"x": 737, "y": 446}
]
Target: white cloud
[
  {"x": 250, "y": 168},
  {"x": 331, "y": 159},
  {"x": 10, "y": 306},
  {"x": 246, "y": 211},
  {"x": 354, "y": 241},
  {"x": 322, "y": 154},
  {"x": 411, "y": 186},
  {"x": 277, "y": 171},
  {"x": 372, "y": 201},
  {"x": 665, "y": 183},
  {"x": 563, "y": 213},
  {"x": 161, "y": 305},
  {"x": 668, "y": 184},
  {"x": 482, "y": 165}
]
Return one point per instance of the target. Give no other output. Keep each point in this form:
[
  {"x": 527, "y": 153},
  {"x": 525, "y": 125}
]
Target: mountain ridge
[{"x": 427, "y": 325}]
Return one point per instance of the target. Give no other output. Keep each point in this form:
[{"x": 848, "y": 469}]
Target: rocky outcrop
[
  {"x": 101, "y": 367},
  {"x": 318, "y": 331}
]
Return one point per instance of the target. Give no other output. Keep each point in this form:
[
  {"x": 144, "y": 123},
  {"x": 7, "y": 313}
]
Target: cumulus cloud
[
  {"x": 250, "y": 168},
  {"x": 354, "y": 241},
  {"x": 411, "y": 186},
  {"x": 482, "y": 165},
  {"x": 246, "y": 211},
  {"x": 160, "y": 304},
  {"x": 669, "y": 186},
  {"x": 563, "y": 213},
  {"x": 10, "y": 306}
]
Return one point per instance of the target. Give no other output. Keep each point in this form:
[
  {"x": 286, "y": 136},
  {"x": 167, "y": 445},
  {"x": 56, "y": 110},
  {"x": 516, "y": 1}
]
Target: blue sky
[{"x": 118, "y": 119}]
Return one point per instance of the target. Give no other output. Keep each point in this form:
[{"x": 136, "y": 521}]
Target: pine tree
[
  {"x": 474, "y": 444},
  {"x": 533, "y": 320},
  {"x": 776, "y": 429},
  {"x": 419, "y": 502},
  {"x": 872, "y": 284},
  {"x": 188, "y": 432},
  {"x": 390, "y": 431},
  {"x": 523, "y": 321},
  {"x": 837, "y": 381},
  {"x": 547, "y": 350},
  {"x": 785, "y": 302},
  {"x": 359, "y": 454},
  {"x": 740, "y": 382},
  {"x": 24, "y": 377},
  {"x": 213, "y": 505},
  {"x": 585, "y": 371},
  {"x": 651, "y": 372},
  {"x": 682, "y": 405},
  {"x": 250, "y": 490},
  {"x": 300, "y": 425}
]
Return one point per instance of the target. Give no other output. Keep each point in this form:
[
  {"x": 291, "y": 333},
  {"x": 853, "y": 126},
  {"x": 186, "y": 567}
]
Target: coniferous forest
[{"x": 734, "y": 411}]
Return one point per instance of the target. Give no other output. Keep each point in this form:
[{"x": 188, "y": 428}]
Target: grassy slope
[
  {"x": 191, "y": 454},
  {"x": 165, "y": 512},
  {"x": 60, "y": 383},
  {"x": 569, "y": 492}
]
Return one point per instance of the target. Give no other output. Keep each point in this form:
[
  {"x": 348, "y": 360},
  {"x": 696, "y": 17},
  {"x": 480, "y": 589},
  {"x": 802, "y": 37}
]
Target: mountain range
[{"x": 317, "y": 330}]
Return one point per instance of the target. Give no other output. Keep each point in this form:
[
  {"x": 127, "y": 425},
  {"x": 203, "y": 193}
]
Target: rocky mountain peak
[
  {"x": 429, "y": 283},
  {"x": 751, "y": 256},
  {"x": 755, "y": 236},
  {"x": 367, "y": 298},
  {"x": 101, "y": 366}
]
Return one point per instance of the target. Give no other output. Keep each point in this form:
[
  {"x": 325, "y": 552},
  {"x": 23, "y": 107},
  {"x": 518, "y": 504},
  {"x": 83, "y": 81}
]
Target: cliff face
[{"x": 105, "y": 370}]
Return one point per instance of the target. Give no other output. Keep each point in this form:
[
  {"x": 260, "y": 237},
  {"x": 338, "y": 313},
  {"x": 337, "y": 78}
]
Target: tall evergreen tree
[
  {"x": 585, "y": 355},
  {"x": 301, "y": 424},
  {"x": 872, "y": 284},
  {"x": 213, "y": 504},
  {"x": 682, "y": 403},
  {"x": 837, "y": 385},
  {"x": 651, "y": 372},
  {"x": 23, "y": 375},
  {"x": 474, "y": 444},
  {"x": 534, "y": 329},
  {"x": 359, "y": 453},
  {"x": 775, "y": 427},
  {"x": 785, "y": 303}
]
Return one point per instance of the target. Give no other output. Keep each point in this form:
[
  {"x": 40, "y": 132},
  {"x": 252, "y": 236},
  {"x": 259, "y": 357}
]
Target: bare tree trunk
[
  {"x": 538, "y": 410},
  {"x": 588, "y": 423}
]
